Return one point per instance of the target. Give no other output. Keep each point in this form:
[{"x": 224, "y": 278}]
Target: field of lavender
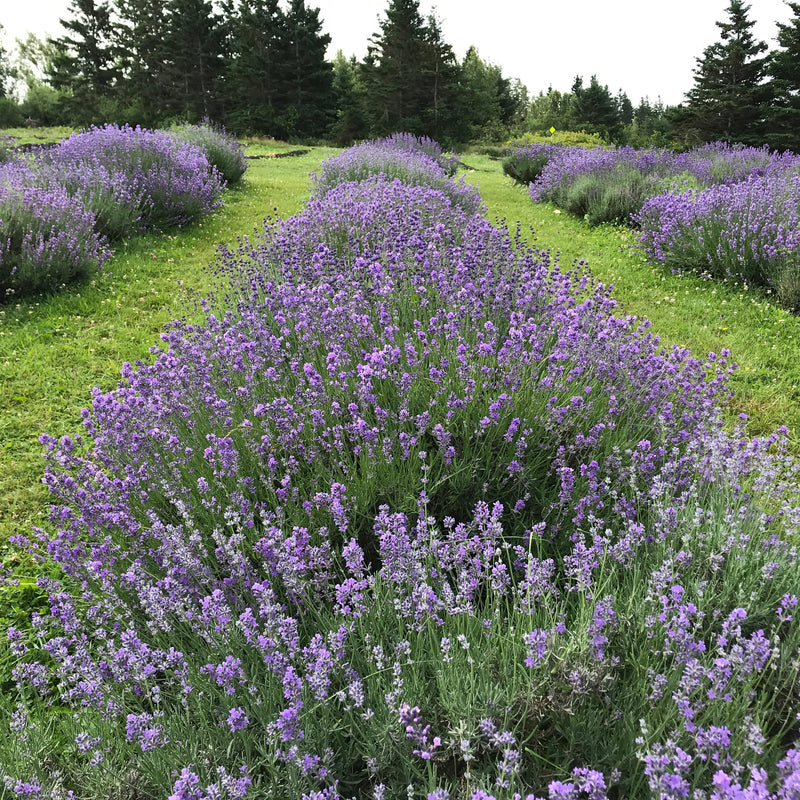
[
  {"x": 723, "y": 211},
  {"x": 62, "y": 208},
  {"x": 410, "y": 512}
]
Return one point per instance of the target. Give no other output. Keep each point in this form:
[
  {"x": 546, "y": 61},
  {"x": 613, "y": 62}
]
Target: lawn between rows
[{"x": 53, "y": 350}]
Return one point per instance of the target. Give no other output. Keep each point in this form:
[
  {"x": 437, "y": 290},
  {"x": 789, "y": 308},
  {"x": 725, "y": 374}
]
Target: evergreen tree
[
  {"x": 5, "y": 69},
  {"x": 442, "y": 75},
  {"x": 624, "y": 108},
  {"x": 351, "y": 117},
  {"x": 491, "y": 102},
  {"x": 729, "y": 101},
  {"x": 593, "y": 109},
  {"x": 393, "y": 71},
  {"x": 84, "y": 64},
  {"x": 309, "y": 76},
  {"x": 784, "y": 69},
  {"x": 193, "y": 41},
  {"x": 255, "y": 85},
  {"x": 144, "y": 57}
]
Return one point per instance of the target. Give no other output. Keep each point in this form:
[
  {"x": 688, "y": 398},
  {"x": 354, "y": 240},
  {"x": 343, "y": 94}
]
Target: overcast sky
[{"x": 645, "y": 47}]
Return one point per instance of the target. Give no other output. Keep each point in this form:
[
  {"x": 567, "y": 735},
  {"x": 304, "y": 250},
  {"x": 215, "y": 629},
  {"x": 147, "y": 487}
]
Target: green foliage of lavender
[
  {"x": 60, "y": 206},
  {"x": 412, "y": 513},
  {"x": 222, "y": 150}
]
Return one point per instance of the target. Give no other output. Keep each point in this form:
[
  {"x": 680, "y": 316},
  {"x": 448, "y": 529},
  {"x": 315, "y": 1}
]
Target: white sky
[{"x": 645, "y": 47}]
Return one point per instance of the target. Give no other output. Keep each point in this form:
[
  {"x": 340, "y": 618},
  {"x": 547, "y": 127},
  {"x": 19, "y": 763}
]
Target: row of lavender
[
  {"x": 411, "y": 514},
  {"x": 719, "y": 210},
  {"x": 61, "y": 208}
]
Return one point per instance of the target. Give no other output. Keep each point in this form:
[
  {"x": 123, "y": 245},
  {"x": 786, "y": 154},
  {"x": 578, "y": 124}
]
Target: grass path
[{"x": 53, "y": 350}]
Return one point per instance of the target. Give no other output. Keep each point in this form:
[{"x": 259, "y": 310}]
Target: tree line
[{"x": 260, "y": 67}]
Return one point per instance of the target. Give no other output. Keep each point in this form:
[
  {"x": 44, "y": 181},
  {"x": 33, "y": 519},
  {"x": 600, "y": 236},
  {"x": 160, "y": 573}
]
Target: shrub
[
  {"x": 133, "y": 179},
  {"x": 46, "y": 239},
  {"x": 749, "y": 231},
  {"x": 404, "y": 157},
  {"x": 525, "y": 164},
  {"x": 223, "y": 151}
]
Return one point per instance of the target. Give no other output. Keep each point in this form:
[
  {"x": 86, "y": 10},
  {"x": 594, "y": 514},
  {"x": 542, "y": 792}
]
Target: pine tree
[
  {"x": 594, "y": 109},
  {"x": 144, "y": 57},
  {"x": 5, "y": 68},
  {"x": 729, "y": 101},
  {"x": 309, "y": 76},
  {"x": 784, "y": 70},
  {"x": 193, "y": 44},
  {"x": 393, "y": 71},
  {"x": 351, "y": 116},
  {"x": 255, "y": 87},
  {"x": 441, "y": 73},
  {"x": 85, "y": 60}
]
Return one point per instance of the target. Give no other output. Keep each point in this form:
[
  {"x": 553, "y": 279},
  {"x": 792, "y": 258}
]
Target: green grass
[
  {"x": 37, "y": 135},
  {"x": 53, "y": 350}
]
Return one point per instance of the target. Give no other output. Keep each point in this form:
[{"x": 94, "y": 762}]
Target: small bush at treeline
[
  {"x": 525, "y": 164},
  {"x": 412, "y": 513},
  {"x": 118, "y": 180}
]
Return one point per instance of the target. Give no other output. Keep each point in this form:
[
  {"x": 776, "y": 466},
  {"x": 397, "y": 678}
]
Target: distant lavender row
[
  {"x": 748, "y": 231},
  {"x": 119, "y": 181},
  {"x": 611, "y": 185},
  {"x": 413, "y": 160},
  {"x": 411, "y": 514},
  {"x": 719, "y": 210}
]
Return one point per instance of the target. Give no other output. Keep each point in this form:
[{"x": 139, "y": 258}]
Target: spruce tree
[
  {"x": 729, "y": 101},
  {"x": 594, "y": 109},
  {"x": 784, "y": 70},
  {"x": 194, "y": 39},
  {"x": 144, "y": 58},
  {"x": 309, "y": 76},
  {"x": 393, "y": 71},
  {"x": 441, "y": 73},
  {"x": 5, "y": 68},
  {"x": 351, "y": 117},
  {"x": 84, "y": 63},
  {"x": 256, "y": 88}
]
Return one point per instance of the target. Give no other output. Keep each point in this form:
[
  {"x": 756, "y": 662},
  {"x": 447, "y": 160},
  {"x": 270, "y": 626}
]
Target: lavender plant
[
  {"x": 526, "y": 162},
  {"x": 133, "y": 179},
  {"x": 46, "y": 238},
  {"x": 412, "y": 513},
  {"x": 747, "y": 231},
  {"x": 410, "y": 159},
  {"x": 223, "y": 151}
]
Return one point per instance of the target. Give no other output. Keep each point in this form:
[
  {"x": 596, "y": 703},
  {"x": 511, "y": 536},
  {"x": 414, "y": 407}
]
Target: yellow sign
[{"x": 552, "y": 130}]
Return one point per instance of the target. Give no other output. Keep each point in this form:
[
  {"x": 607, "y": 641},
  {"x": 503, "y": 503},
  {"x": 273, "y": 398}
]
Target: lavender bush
[
  {"x": 60, "y": 206},
  {"x": 526, "y": 162},
  {"x": 133, "y": 179},
  {"x": 412, "y": 513},
  {"x": 46, "y": 239},
  {"x": 748, "y": 231},
  {"x": 410, "y": 159},
  {"x": 223, "y": 151}
]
